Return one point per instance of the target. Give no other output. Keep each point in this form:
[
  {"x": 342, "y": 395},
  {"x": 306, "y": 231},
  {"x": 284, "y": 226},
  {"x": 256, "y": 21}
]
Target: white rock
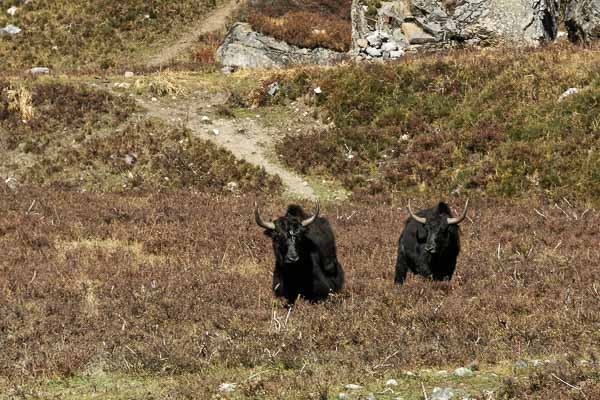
[
  {"x": 129, "y": 74},
  {"x": 12, "y": 11},
  {"x": 216, "y": 132},
  {"x": 389, "y": 46},
  {"x": 10, "y": 29},
  {"x": 374, "y": 39},
  {"x": 343, "y": 396},
  {"x": 404, "y": 137},
  {"x": 373, "y": 52},
  {"x": 567, "y": 93},
  {"x": 227, "y": 387},
  {"x": 39, "y": 70},
  {"x": 561, "y": 34},
  {"x": 318, "y": 90},
  {"x": 462, "y": 371},
  {"x": 232, "y": 186},
  {"x": 54, "y": 47},
  {"x": 205, "y": 119},
  {"x": 442, "y": 373},
  {"x": 154, "y": 99},
  {"x": 442, "y": 394},
  {"x": 391, "y": 382},
  {"x": 396, "y": 53},
  {"x": 352, "y": 386}
]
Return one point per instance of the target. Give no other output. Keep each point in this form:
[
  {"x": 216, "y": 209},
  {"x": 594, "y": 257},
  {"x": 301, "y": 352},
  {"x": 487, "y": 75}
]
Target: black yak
[
  {"x": 429, "y": 243},
  {"x": 305, "y": 255}
]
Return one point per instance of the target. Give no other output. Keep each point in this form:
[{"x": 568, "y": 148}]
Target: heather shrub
[{"x": 316, "y": 23}]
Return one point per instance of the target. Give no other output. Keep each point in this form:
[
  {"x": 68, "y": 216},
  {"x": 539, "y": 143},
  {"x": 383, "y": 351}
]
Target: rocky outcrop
[
  {"x": 439, "y": 23},
  {"x": 583, "y": 20},
  {"x": 244, "y": 47}
]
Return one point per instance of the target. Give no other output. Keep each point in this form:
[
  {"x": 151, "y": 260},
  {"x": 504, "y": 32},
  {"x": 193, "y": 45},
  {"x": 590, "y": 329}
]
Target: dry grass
[{"x": 178, "y": 283}]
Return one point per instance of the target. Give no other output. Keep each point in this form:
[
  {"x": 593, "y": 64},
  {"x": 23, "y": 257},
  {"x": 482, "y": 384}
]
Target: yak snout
[{"x": 291, "y": 256}]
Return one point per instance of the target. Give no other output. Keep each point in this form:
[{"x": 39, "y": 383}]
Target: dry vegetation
[
  {"x": 463, "y": 121},
  {"x": 178, "y": 283},
  {"x": 314, "y": 23},
  {"x": 92, "y": 34},
  {"x": 85, "y": 138}
]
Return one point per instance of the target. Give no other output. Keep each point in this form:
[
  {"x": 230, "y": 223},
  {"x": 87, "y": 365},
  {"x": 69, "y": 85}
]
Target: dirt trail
[
  {"x": 214, "y": 21},
  {"x": 245, "y": 138}
]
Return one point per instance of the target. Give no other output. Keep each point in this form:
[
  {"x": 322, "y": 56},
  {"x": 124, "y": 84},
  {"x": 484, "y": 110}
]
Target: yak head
[
  {"x": 287, "y": 232},
  {"x": 434, "y": 228}
]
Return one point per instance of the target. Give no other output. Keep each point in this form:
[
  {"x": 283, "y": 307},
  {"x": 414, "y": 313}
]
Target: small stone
[
  {"x": 205, "y": 119},
  {"x": 232, "y": 186},
  {"x": 391, "y": 382},
  {"x": 463, "y": 372},
  {"x": 318, "y": 90},
  {"x": 373, "y": 52},
  {"x": 10, "y": 29},
  {"x": 39, "y": 70},
  {"x": 154, "y": 99},
  {"x": 55, "y": 47},
  {"x": 561, "y": 34},
  {"x": 362, "y": 43},
  {"x": 396, "y": 53},
  {"x": 227, "y": 69},
  {"x": 12, "y": 11},
  {"x": 122, "y": 85},
  {"x": 130, "y": 159},
  {"x": 227, "y": 387},
  {"x": 343, "y": 396},
  {"x": 371, "y": 396},
  {"x": 12, "y": 183},
  {"x": 536, "y": 363},
  {"x": 273, "y": 89},
  {"x": 567, "y": 93},
  {"x": 404, "y": 137},
  {"x": 442, "y": 373},
  {"x": 215, "y": 132},
  {"x": 352, "y": 386},
  {"x": 521, "y": 364},
  {"x": 129, "y": 74},
  {"x": 442, "y": 394},
  {"x": 409, "y": 373}
]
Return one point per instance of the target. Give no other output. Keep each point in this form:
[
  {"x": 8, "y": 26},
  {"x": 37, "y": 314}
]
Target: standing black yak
[
  {"x": 305, "y": 256},
  {"x": 429, "y": 243}
]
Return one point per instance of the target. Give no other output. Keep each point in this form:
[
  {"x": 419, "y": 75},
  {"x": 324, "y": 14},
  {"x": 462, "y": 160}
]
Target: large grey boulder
[
  {"x": 439, "y": 23},
  {"x": 244, "y": 47},
  {"x": 583, "y": 20}
]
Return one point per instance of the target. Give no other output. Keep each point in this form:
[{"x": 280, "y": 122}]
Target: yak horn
[
  {"x": 259, "y": 220},
  {"x": 458, "y": 220},
  {"x": 415, "y": 217},
  {"x": 312, "y": 219}
]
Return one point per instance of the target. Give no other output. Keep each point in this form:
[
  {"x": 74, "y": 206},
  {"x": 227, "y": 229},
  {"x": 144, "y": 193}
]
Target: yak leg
[
  {"x": 401, "y": 269},
  {"x": 278, "y": 287}
]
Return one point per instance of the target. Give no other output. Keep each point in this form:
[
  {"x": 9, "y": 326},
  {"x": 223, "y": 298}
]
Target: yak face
[
  {"x": 434, "y": 233},
  {"x": 287, "y": 232},
  {"x": 287, "y": 239},
  {"x": 434, "y": 227}
]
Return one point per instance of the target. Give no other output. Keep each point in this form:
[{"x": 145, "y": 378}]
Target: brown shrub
[{"x": 305, "y": 29}]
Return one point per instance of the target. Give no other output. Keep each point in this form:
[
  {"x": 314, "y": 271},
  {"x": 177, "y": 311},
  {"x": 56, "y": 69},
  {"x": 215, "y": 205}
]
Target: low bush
[{"x": 488, "y": 122}]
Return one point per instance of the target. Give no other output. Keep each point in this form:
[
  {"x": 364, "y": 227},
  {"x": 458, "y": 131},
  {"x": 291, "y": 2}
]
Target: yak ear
[{"x": 421, "y": 233}]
